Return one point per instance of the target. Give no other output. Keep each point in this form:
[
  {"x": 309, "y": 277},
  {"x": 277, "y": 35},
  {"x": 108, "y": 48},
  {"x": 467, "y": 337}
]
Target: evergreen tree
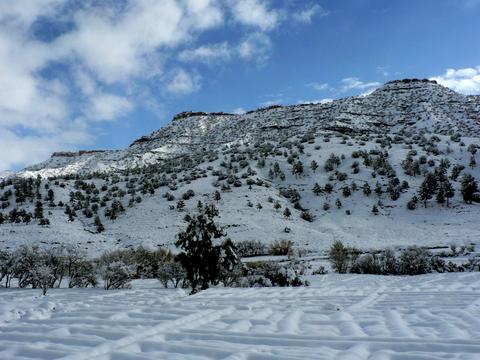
[
  {"x": 375, "y": 210},
  {"x": 338, "y": 203},
  {"x": 328, "y": 188},
  {"x": 472, "y": 162},
  {"x": 98, "y": 224},
  {"x": 412, "y": 203},
  {"x": 217, "y": 196},
  {"x": 200, "y": 258},
  {"x": 441, "y": 194},
  {"x": 317, "y": 190},
  {"x": 469, "y": 188},
  {"x": 448, "y": 190},
  {"x": 277, "y": 205},
  {"x": 276, "y": 168},
  {"x": 180, "y": 205},
  {"x": 287, "y": 213},
  {"x": 297, "y": 169},
  {"x": 314, "y": 165},
  {"x": 38, "y": 213},
  {"x": 366, "y": 189},
  {"x": 427, "y": 188}
]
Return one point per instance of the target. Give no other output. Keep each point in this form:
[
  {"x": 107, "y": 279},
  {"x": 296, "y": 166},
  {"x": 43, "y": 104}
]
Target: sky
[{"x": 97, "y": 74}]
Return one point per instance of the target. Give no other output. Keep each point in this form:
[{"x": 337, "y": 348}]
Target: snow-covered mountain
[
  {"x": 410, "y": 105},
  {"x": 253, "y": 160}
]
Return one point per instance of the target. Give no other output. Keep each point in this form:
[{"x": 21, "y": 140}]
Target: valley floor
[{"x": 435, "y": 316}]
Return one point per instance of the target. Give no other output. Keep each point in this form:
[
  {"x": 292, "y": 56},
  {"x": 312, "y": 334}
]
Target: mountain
[{"x": 389, "y": 140}]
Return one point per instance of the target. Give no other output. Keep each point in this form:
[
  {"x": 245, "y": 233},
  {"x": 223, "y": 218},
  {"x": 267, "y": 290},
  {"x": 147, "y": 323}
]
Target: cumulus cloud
[
  {"x": 306, "y": 15},
  {"x": 319, "y": 86},
  {"x": 256, "y": 47},
  {"x": 207, "y": 53},
  {"x": 109, "y": 107},
  {"x": 255, "y": 13},
  {"x": 183, "y": 83},
  {"x": 465, "y": 81},
  {"x": 354, "y": 83},
  {"x": 238, "y": 111}
]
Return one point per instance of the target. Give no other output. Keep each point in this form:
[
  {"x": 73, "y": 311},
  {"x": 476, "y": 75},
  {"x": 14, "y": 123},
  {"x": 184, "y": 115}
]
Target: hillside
[{"x": 260, "y": 163}]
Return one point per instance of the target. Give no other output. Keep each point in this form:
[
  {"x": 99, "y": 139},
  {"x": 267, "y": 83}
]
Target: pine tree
[
  {"x": 38, "y": 213},
  {"x": 297, "y": 169},
  {"x": 277, "y": 205},
  {"x": 180, "y": 205},
  {"x": 317, "y": 190},
  {"x": 427, "y": 188},
  {"x": 441, "y": 194},
  {"x": 217, "y": 196},
  {"x": 412, "y": 203},
  {"x": 366, "y": 189},
  {"x": 287, "y": 213},
  {"x": 472, "y": 162},
  {"x": 200, "y": 258},
  {"x": 314, "y": 165},
  {"x": 469, "y": 188},
  {"x": 98, "y": 224},
  {"x": 338, "y": 203},
  {"x": 448, "y": 189},
  {"x": 375, "y": 210},
  {"x": 276, "y": 168}
]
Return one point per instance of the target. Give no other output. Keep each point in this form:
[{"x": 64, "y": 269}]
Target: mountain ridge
[{"x": 399, "y": 104}]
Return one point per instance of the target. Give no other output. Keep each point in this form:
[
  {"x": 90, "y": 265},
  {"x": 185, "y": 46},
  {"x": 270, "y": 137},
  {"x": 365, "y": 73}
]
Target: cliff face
[{"x": 401, "y": 105}]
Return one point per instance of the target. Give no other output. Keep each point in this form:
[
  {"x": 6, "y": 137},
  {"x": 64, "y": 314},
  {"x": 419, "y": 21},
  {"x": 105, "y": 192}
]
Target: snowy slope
[
  {"x": 338, "y": 317},
  {"x": 202, "y": 152}
]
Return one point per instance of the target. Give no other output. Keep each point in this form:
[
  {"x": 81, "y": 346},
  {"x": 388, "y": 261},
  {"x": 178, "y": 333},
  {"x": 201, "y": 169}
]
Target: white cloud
[
  {"x": 183, "y": 83},
  {"x": 255, "y": 47},
  {"x": 319, "y": 86},
  {"x": 470, "y": 4},
  {"x": 117, "y": 48},
  {"x": 207, "y": 53},
  {"x": 272, "y": 102},
  {"x": 28, "y": 149},
  {"x": 465, "y": 81},
  {"x": 109, "y": 107},
  {"x": 353, "y": 83},
  {"x": 306, "y": 15},
  {"x": 238, "y": 111},
  {"x": 382, "y": 70},
  {"x": 255, "y": 13}
]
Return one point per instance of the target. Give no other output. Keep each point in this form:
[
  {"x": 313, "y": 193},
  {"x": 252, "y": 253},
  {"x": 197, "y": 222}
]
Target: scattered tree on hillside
[{"x": 469, "y": 188}]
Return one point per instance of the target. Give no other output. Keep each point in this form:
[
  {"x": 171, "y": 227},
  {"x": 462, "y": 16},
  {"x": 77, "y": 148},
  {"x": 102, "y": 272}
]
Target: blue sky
[{"x": 98, "y": 74}]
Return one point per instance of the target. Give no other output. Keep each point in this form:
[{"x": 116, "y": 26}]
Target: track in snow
[{"x": 341, "y": 317}]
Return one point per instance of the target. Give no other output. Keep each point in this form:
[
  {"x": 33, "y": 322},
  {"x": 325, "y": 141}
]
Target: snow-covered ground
[{"x": 433, "y": 316}]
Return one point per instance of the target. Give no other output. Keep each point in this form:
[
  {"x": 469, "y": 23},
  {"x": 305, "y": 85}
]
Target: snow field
[{"x": 433, "y": 316}]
